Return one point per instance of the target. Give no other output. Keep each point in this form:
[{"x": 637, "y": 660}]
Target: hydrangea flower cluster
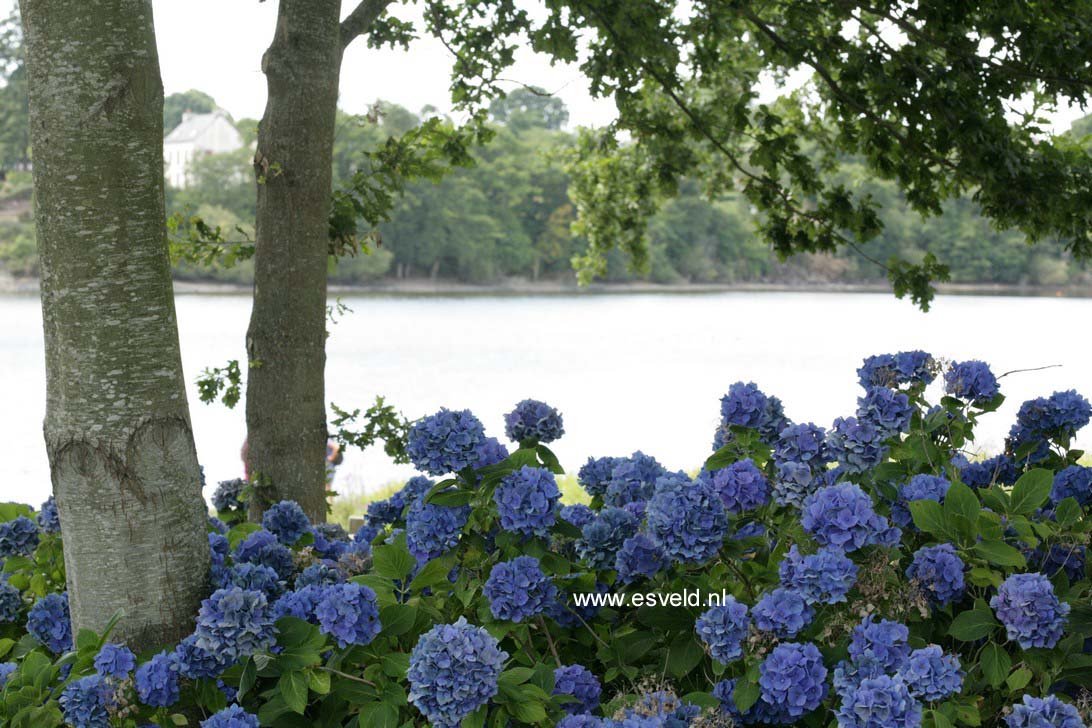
[
  {"x": 603, "y": 537},
  {"x": 1066, "y": 558},
  {"x": 18, "y": 537},
  {"x": 49, "y": 519},
  {"x": 195, "y": 663},
  {"x": 157, "y": 681},
  {"x": 688, "y": 522},
  {"x": 794, "y": 483},
  {"x": 879, "y": 702},
  {"x": 85, "y": 702},
  {"x": 804, "y": 443},
  {"x": 490, "y": 452},
  {"x": 595, "y": 475},
  {"x": 920, "y": 487},
  {"x": 577, "y": 514},
  {"x": 782, "y": 612},
  {"x": 445, "y": 442},
  {"x": 741, "y": 486},
  {"x": 349, "y": 613},
  {"x": 518, "y": 589},
  {"x": 824, "y": 577},
  {"x": 228, "y": 495},
  {"x": 454, "y": 669},
  {"x": 300, "y": 604},
  {"x": 287, "y": 521},
  {"x": 892, "y": 370},
  {"x": 115, "y": 661},
  {"x": 1074, "y": 482},
  {"x": 527, "y": 501},
  {"x": 235, "y": 623},
  {"x": 579, "y": 682},
  {"x": 842, "y": 516},
  {"x": 971, "y": 381},
  {"x": 231, "y": 717},
  {"x": 249, "y": 576},
  {"x": 723, "y": 628},
  {"x": 938, "y": 572},
  {"x": 744, "y": 405},
  {"x": 883, "y": 643},
  {"x": 792, "y": 679},
  {"x": 533, "y": 420},
  {"x": 639, "y": 557},
  {"x": 1048, "y": 712},
  {"x": 983, "y": 473},
  {"x": 633, "y": 479},
  {"x": 856, "y": 444},
  {"x": 11, "y": 603},
  {"x": 931, "y": 675},
  {"x": 6, "y": 669},
  {"x": 887, "y": 409},
  {"x": 1044, "y": 418},
  {"x": 49, "y": 623},
  {"x": 262, "y": 547},
  {"x": 432, "y": 530},
  {"x": 1029, "y": 609}
]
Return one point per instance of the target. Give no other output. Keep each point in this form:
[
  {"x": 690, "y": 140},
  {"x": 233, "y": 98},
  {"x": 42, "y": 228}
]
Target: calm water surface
[{"x": 628, "y": 371}]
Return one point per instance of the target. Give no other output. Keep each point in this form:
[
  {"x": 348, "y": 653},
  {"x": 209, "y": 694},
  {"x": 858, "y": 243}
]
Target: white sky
[{"x": 216, "y": 46}]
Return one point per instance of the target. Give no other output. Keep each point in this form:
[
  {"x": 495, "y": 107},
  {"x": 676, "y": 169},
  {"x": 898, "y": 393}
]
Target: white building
[{"x": 197, "y": 135}]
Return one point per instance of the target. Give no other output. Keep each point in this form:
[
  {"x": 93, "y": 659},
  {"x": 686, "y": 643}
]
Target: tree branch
[{"x": 361, "y": 19}]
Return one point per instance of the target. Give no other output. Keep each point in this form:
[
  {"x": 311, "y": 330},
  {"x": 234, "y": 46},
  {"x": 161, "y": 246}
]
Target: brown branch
[{"x": 358, "y": 22}]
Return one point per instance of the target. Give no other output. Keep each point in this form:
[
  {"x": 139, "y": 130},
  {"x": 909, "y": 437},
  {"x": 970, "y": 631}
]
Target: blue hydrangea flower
[
  {"x": 938, "y": 571},
  {"x": 595, "y": 475},
  {"x": 885, "y": 643},
  {"x": 741, "y": 486},
  {"x": 824, "y": 577},
  {"x": 231, "y": 717},
  {"x": 984, "y": 473},
  {"x": 856, "y": 444},
  {"x": 349, "y": 613},
  {"x": 1067, "y": 558},
  {"x": 49, "y": 520},
  {"x": 744, "y": 405},
  {"x": 367, "y": 533},
  {"x": 1048, "y": 712},
  {"x": 287, "y": 521},
  {"x": 228, "y": 495},
  {"x": 195, "y": 663},
  {"x": 330, "y": 547},
  {"x": 842, "y": 516},
  {"x": 445, "y": 442},
  {"x": 115, "y": 661},
  {"x": 1075, "y": 482},
  {"x": 6, "y": 669},
  {"x": 581, "y": 720},
  {"x": 783, "y": 612},
  {"x": 688, "y": 522},
  {"x": 793, "y": 677},
  {"x": 1062, "y": 412},
  {"x": 920, "y": 487},
  {"x": 250, "y": 576},
  {"x": 454, "y": 669},
  {"x": 321, "y": 574},
  {"x": 1029, "y": 609},
  {"x": 888, "y": 410},
  {"x": 262, "y": 547},
  {"x": 577, "y": 514},
  {"x": 85, "y": 702},
  {"x": 48, "y": 622},
  {"x": 633, "y": 479},
  {"x": 11, "y": 603},
  {"x": 18, "y": 537},
  {"x": 300, "y": 603},
  {"x": 235, "y": 623},
  {"x": 219, "y": 547},
  {"x": 723, "y": 628},
  {"x": 603, "y": 537},
  {"x": 385, "y": 511},
  {"x": 794, "y": 483},
  {"x": 157, "y": 681},
  {"x": 579, "y": 682},
  {"x": 804, "y": 443},
  {"x": 533, "y": 420},
  {"x": 518, "y": 589},
  {"x": 773, "y": 420},
  {"x": 490, "y": 452},
  {"x": 848, "y": 674},
  {"x": 971, "y": 381},
  {"x": 639, "y": 557},
  {"x": 759, "y": 712},
  {"x": 432, "y": 530},
  {"x": 879, "y": 702},
  {"x": 931, "y": 675},
  {"x": 892, "y": 370},
  {"x": 527, "y": 501}
]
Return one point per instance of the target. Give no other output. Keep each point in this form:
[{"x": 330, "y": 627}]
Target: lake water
[{"x": 641, "y": 371}]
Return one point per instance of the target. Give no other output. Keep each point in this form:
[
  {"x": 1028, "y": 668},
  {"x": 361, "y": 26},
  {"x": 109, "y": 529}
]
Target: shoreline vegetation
[{"x": 516, "y": 286}]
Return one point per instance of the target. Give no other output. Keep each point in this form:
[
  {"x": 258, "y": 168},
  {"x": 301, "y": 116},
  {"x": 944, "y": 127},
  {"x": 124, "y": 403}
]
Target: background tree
[
  {"x": 176, "y": 104},
  {"x": 14, "y": 117},
  {"x": 117, "y": 428}
]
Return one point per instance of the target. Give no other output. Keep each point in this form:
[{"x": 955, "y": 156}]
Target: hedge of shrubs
[{"x": 869, "y": 574}]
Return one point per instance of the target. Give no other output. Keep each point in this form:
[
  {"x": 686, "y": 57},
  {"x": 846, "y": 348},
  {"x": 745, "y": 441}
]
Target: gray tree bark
[
  {"x": 286, "y": 339},
  {"x": 117, "y": 427}
]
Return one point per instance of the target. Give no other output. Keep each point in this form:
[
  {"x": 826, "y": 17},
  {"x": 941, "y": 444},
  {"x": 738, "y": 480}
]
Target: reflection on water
[{"x": 627, "y": 371}]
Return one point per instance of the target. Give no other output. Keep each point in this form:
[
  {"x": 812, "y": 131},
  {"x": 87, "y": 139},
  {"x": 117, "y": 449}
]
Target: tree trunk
[
  {"x": 286, "y": 408},
  {"x": 117, "y": 426}
]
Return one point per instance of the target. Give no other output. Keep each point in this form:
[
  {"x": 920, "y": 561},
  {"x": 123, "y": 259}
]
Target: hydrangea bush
[{"x": 878, "y": 573}]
